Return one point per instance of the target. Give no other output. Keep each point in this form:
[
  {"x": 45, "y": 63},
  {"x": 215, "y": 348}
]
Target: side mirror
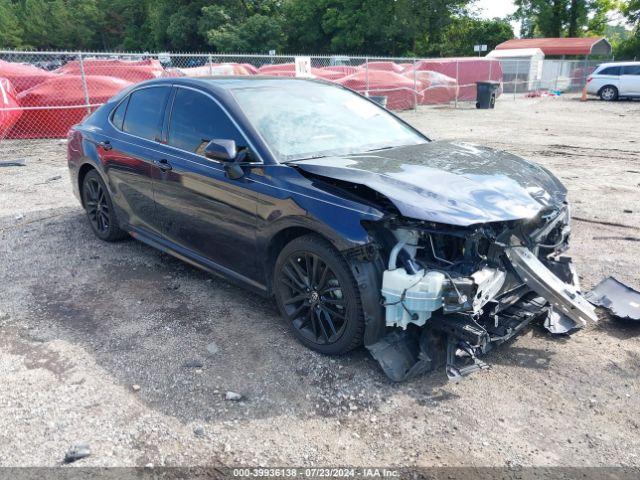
[{"x": 221, "y": 150}]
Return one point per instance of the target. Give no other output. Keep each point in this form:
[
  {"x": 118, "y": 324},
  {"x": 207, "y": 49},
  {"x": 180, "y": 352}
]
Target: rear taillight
[{"x": 589, "y": 78}]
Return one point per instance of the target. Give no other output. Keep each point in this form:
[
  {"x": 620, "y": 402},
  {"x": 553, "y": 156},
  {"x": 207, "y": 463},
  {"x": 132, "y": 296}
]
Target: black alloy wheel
[
  {"x": 99, "y": 208},
  {"x": 96, "y": 205},
  {"x": 317, "y": 296}
]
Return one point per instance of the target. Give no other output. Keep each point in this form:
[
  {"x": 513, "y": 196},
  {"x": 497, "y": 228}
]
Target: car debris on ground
[
  {"x": 77, "y": 452},
  {"x": 233, "y": 396},
  {"x": 21, "y": 162},
  {"x": 622, "y": 301}
]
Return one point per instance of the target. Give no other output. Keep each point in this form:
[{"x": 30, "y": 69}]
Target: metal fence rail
[{"x": 43, "y": 93}]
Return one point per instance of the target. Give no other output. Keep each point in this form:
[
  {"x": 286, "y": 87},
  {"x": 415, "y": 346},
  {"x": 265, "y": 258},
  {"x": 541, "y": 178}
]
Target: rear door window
[
  {"x": 631, "y": 70},
  {"x": 610, "y": 71},
  {"x": 196, "y": 120},
  {"x": 145, "y": 112}
]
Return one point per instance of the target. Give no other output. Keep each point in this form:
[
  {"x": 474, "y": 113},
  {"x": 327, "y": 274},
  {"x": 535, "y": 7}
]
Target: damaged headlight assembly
[{"x": 451, "y": 295}]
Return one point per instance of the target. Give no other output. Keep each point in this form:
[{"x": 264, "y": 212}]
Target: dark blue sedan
[{"x": 364, "y": 230}]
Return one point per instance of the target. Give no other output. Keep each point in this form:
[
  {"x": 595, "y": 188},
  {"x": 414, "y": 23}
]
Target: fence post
[
  {"x": 515, "y": 82},
  {"x": 366, "y": 75},
  {"x": 457, "y": 81},
  {"x": 210, "y": 60},
  {"x": 84, "y": 83},
  {"x": 415, "y": 86}
]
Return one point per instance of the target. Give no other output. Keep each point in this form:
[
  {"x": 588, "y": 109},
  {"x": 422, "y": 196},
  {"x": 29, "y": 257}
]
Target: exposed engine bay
[
  {"x": 451, "y": 294},
  {"x": 472, "y": 241}
]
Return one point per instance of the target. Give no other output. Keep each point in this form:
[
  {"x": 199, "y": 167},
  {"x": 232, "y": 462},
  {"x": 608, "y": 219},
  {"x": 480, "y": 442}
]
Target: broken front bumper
[{"x": 456, "y": 339}]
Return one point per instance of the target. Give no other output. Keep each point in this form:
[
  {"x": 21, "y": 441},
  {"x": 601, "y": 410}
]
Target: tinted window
[
  {"x": 118, "y": 115},
  {"x": 631, "y": 70},
  {"x": 196, "y": 120},
  {"x": 144, "y": 112},
  {"x": 610, "y": 71}
]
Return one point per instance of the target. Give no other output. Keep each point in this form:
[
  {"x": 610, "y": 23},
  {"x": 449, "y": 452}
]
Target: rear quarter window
[
  {"x": 117, "y": 117},
  {"x": 610, "y": 71},
  {"x": 145, "y": 111},
  {"x": 631, "y": 70}
]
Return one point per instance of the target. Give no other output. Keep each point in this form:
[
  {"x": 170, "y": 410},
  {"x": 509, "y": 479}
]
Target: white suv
[{"x": 611, "y": 81}]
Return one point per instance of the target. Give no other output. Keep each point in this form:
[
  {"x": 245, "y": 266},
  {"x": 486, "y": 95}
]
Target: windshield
[{"x": 301, "y": 119}]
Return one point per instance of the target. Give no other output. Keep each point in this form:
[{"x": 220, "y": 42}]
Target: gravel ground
[{"x": 132, "y": 351}]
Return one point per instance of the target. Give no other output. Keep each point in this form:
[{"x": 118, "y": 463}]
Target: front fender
[{"x": 287, "y": 199}]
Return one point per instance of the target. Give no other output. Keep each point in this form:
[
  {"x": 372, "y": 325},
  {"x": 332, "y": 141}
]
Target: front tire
[
  {"x": 608, "y": 93},
  {"x": 99, "y": 207},
  {"x": 318, "y": 296}
]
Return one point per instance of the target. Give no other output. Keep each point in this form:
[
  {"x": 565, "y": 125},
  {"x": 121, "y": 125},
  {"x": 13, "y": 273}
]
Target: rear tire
[
  {"x": 608, "y": 93},
  {"x": 99, "y": 207},
  {"x": 318, "y": 296}
]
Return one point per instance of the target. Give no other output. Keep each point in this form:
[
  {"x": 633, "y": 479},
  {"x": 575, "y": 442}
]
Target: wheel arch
[
  {"x": 366, "y": 267},
  {"x": 278, "y": 241},
  {"x": 84, "y": 169},
  {"x": 608, "y": 85}
]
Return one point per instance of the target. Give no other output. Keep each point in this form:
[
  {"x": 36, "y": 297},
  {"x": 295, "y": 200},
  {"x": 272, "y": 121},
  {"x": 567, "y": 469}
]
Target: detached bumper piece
[
  {"x": 570, "y": 310},
  {"x": 621, "y": 301}
]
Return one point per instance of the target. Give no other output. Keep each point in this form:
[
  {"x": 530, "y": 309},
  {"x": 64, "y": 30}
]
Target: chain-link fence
[{"x": 42, "y": 94}]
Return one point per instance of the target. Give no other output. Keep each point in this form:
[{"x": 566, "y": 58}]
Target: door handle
[
  {"x": 163, "y": 164},
  {"x": 105, "y": 144}
]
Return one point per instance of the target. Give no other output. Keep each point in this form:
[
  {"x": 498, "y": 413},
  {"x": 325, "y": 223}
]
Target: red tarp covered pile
[
  {"x": 467, "y": 71},
  {"x": 278, "y": 70},
  {"x": 434, "y": 88},
  {"x": 276, "y": 67},
  {"x": 398, "y": 89},
  {"x": 132, "y": 71},
  {"x": 289, "y": 70},
  {"x": 343, "y": 70},
  {"x": 384, "y": 66},
  {"x": 218, "y": 69},
  {"x": 22, "y": 76},
  {"x": 250, "y": 68},
  {"x": 9, "y": 108},
  {"x": 53, "y": 106}
]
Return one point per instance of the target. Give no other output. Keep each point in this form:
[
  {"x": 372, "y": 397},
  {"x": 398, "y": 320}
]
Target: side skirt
[{"x": 198, "y": 261}]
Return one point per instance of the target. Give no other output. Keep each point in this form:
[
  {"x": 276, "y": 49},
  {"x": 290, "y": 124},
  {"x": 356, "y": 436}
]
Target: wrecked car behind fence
[{"x": 451, "y": 292}]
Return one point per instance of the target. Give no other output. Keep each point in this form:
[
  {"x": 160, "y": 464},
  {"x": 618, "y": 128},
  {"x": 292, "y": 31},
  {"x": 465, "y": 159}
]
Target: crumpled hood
[{"x": 448, "y": 182}]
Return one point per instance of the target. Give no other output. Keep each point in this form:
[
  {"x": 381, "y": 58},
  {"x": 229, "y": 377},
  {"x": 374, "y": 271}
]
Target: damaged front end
[{"x": 451, "y": 293}]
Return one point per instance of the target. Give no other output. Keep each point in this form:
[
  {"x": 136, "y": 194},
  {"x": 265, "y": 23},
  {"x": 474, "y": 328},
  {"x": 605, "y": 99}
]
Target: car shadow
[
  {"x": 184, "y": 336},
  {"x": 622, "y": 329}
]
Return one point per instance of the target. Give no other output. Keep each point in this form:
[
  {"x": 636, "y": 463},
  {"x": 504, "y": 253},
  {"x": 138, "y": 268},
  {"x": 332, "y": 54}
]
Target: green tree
[
  {"x": 258, "y": 33},
  {"x": 243, "y": 26},
  {"x": 86, "y": 19},
  {"x": 304, "y": 28},
  {"x": 377, "y": 27},
  {"x": 33, "y": 16},
  {"x": 466, "y": 32},
  {"x": 10, "y": 29},
  {"x": 631, "y": 10},
  {"x": 629, "y": 47},
  {"x": 562, "y": 18}
]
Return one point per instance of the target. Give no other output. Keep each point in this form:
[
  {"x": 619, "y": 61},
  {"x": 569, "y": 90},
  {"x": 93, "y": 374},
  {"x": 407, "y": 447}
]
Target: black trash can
[
  {"x": 380, "y": 100},
  {"x": 486, "y": 96}
]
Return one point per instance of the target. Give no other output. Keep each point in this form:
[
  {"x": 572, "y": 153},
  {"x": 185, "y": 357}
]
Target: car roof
[{"x": 618, "y": 64}]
